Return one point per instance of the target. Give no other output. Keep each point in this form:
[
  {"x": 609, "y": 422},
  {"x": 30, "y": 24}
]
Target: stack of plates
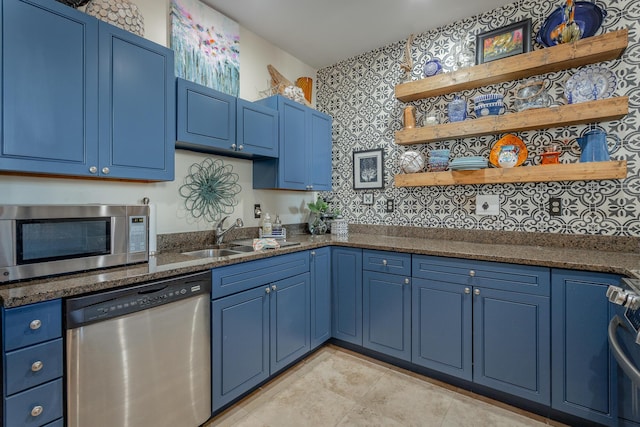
[{"x": 468, "y": 163}]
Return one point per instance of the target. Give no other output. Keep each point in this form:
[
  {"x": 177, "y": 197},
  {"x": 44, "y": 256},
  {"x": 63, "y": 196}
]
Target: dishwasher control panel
[{"x": 90, "y": 309}]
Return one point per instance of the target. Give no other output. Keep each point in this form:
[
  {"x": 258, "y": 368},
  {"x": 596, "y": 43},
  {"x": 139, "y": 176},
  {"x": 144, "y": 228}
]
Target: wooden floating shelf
[
  {"x": 540, "y": 118},
  {"x": 542, "y": 173},
  {"x": 586, "y": 51}
]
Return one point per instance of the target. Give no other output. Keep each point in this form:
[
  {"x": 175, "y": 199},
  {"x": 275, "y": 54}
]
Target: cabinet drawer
[
  {"x": 32, "y": 324},
  {"x": 21, "y": 408},
  {"x": 22, "y": 368},
  {"x": 57, "y": 423},
  {"x": 387, "y": 262},
  {"x": 240, "y": 277},
  {"x": 494, "y": 275}
]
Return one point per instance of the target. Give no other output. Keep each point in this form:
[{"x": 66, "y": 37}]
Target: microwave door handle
[{"x": 624, "y": 362}]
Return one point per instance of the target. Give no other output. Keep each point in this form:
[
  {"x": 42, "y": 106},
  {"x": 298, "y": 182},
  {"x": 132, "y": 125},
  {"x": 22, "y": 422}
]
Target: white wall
[{"x": 255, "y": 54}]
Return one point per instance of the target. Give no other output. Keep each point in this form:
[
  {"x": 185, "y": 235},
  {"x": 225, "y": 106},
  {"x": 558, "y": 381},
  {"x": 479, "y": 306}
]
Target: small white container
[
  {"x": 267, "y": 228},
  {"x": 340, "y": 226}
]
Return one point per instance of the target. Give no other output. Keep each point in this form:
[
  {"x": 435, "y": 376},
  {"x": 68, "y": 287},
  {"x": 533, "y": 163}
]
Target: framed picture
[
  {"x": 506, "y": 41},
  {"x": 367, "y": 169},
  {"x": 367, "y": 199}
]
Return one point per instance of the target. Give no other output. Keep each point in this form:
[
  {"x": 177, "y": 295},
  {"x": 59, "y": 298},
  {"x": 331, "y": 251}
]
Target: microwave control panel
[{"x": 137, "y": 234}]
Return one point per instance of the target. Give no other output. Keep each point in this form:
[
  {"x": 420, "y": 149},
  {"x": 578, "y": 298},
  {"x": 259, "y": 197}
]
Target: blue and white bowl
[
  {"x": 432, "y": 67},
  {"x": 488, "y": 98},
  {"x": 489, "y": 109}
]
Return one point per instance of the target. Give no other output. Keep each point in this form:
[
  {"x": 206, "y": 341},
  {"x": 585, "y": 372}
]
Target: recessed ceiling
[{"x": 323, "y": 32}]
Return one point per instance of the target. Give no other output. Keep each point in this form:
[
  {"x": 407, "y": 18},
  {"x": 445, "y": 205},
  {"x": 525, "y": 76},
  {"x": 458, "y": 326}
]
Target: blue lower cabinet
[
  {"x": 581, "y": 361},
  {"x": 240, "y": 349},
  {"x": 35, "y": 407},
  {"x": 290, "y": 321},
  {"x": 442, "y": 327},
  {"x": 386, "y": 312},
  {"x": 320, "y": 268},
  {"x": 511, "y": 343},
  {"x": 346, "y": 283}
]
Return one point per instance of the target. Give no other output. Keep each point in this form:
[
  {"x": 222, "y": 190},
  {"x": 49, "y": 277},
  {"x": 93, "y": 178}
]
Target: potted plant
[{"x": 320, "y": 216}]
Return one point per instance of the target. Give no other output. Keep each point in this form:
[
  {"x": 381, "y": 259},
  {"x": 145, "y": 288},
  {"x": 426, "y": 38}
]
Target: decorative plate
[
  {"x": 589, "y": 84},
  {"x": 508, "y": 139},
  {"x": 588, "y": 16}
]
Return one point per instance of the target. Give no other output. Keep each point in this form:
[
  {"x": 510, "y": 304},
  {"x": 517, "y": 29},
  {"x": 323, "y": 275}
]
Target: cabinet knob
[
  {"x": 267, "y": 290},
  {"x": 467, "y": 290},
  {"x": 105, "y": 170},
  {"x": 233, "y": 146},
  {"x": 36, "y": 366},
  {"x": 472, "y": 273},
  {"x": 240, "y": 147},
  {"x": 313, "y": 253},
  {"x": 35, "y": 324},
  {"x": 274, "y": 287},
  {"x": 93, "y": 169},
  {"x": 477, "y": 292},
  {"x": 406, "y": 281},
  {"x": 36, "y": 411},
  {"x": 384, "y": 262}
]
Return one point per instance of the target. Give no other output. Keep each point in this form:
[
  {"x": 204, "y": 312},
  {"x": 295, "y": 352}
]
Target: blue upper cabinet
[
  {"x": 215, "y": 122},
  {"x": 49, "y": 88},
  {"x": 83, "y": 98},
  {"x": 137, "y": 107},
  {"x": 304, "y": 162}
]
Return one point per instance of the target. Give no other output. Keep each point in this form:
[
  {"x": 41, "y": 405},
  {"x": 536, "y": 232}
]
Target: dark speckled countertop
[{"x": 172, "y": 263}]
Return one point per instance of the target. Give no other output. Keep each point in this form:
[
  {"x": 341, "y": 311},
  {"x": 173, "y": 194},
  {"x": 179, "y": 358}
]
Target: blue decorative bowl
[
  {"x": 489, "y": 97},
  {"x": 489, "y": 109},
  {"x": 432, "y": 67}
]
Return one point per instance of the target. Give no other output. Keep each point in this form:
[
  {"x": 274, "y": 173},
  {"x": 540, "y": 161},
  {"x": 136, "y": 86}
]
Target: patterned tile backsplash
[{"x": 359, "y": 94}]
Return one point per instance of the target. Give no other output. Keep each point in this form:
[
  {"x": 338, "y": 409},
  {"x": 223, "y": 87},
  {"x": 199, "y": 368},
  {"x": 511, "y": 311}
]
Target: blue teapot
[{"x": 594, "y": 148}]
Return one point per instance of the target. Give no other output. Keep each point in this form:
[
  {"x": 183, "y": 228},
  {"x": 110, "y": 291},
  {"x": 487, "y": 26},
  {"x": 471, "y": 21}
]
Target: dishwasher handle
[
  {"x": 623, "y": 361},
  {"x": 152, "y": 290}
]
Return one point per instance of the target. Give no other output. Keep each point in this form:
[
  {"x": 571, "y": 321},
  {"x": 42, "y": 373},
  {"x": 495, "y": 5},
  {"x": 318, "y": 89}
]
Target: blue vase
[{"x": 457, "y": 110}]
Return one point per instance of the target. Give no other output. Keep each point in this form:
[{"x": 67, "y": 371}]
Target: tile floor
[{"x": 336, "y": 387}]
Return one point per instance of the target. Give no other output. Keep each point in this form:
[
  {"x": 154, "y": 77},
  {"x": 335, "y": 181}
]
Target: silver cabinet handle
[
  {"x": 384, "y": 262},
  {"x": 36, "y": 410},
  {"x": 467, "y": 291},
  {"x": 233, "y": 146},
  {"x": 36, "y": 366},
  {"x": 93, "y": 169},
  {"x": 35, "y": 324},
  {"x": 105, "y": 170},
  {"x": 267, "y": 290},
  {"x": 274, "y": 287},
  {"x": 477, "y": 292},
  {"x": 472, "y": 273},
  {"x": 240, "y": 147},
  {"x": 406, "y": 281},
  {"x": 313, "y": 253}
]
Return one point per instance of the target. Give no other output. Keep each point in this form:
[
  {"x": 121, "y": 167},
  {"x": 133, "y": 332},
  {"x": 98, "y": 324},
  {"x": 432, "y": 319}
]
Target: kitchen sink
[{"x": 212, "y": 253}]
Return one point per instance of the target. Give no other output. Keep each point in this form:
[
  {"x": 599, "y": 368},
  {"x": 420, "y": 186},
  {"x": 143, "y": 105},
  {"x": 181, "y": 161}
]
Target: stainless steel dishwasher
[{"x": 140, "y": 356}]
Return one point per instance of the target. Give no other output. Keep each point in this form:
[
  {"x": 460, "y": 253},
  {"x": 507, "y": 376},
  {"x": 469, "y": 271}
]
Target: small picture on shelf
[{"x": 503, "y": 42}]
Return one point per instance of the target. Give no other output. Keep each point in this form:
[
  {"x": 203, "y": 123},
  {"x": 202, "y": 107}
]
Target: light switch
[{"x": 487, "y": 204}]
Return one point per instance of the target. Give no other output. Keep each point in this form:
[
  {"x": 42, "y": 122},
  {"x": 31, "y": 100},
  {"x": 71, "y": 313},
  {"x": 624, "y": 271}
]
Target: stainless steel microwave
[{"x": 44, "y": 240}]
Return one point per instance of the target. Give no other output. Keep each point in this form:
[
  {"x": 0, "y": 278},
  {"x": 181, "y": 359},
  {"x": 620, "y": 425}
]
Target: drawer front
[
  {"x": 34, "y": 365},
  {"x": 22, "y": 409},
  {"x": 241, "y": 277},
  {"x": 486, "y": 274},
  {"x": 32, "y": 324},
  {"x": 57, "y": 423},
  {"x": 387, "y": 262}
]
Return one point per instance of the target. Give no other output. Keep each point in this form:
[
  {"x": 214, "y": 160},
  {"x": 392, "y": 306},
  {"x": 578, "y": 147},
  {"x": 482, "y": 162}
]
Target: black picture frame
[
  {"x": 499, "y": 43},
  {"x": 368, "y": 169}
]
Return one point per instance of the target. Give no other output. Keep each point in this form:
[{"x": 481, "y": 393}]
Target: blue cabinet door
[
  {"x": 442, "y": 326},
  {"x": 290, "y": 320},
  {"x": 320, "y": 296},
  {"x": 240, "y": 344},
  {"x": 386, "y": 313},
  {"x": 511, "y": 343},
  {"x": 319, "y": 157},
  {"x": 49, "y": 88},
  {"x": 292, "y": 172},
  {"x": 206, "y": 118},
  {"x": 256, "y": 129},
  {"x": 137, "y": 107},
  {"x": 581, "y": 362},
  {"x": 346, "y": 283}
]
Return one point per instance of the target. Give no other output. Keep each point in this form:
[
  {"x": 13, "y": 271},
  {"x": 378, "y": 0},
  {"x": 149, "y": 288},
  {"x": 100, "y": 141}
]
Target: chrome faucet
[{"x": 220, "y": 232}]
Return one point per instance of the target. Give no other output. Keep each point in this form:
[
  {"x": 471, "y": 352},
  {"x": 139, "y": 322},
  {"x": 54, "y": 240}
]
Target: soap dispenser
[
  {"x": 277, "y": 226},
  {"x": 266, "y": 225}
]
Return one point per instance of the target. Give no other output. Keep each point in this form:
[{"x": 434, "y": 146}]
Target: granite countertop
[{"x": 173, "y": 263}]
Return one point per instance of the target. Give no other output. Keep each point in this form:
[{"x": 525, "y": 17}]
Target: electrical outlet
[
  {"x": 257, "y": 211},
  {"x": 390, "y": 205},
  {"x": 487, "y": 204},
  {"x": 555, "y": 206}
]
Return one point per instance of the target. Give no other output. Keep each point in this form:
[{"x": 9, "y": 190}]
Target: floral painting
[{"x": 206, "y": 45}]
